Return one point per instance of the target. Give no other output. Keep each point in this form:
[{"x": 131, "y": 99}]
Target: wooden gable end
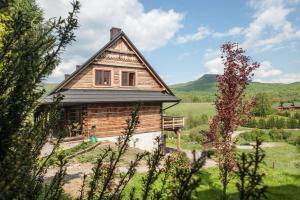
[{"x": 116, "y": 58}]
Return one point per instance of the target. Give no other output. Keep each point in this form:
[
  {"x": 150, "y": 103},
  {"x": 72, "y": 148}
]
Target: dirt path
[
  {"x": 48, "y": 147},
  {"x": 75, "y": 173},
  {"x": 264, "y": 145}
]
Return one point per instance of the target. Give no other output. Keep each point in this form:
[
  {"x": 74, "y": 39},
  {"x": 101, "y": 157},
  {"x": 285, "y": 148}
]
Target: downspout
[
  {"x": 172, "y": 105},
  {"x": 162, "y": 128}
]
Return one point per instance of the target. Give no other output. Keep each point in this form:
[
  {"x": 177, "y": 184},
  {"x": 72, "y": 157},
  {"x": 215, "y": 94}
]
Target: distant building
[{"x": 289, "y": 106}]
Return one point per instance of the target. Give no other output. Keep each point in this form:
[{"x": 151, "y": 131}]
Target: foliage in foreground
[
  {"x": 30, "y": 50},
  {"x": 108, "y": 183},
  {"x": 250, "y": 185}
]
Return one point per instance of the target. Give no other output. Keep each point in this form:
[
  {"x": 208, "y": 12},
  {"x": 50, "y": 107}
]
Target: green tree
[
  {"x": 263, "y": 105},
  {"x": 250, "y": 185},
  {"x": 292, "y": 123},
  {"x": 29, "y": 52},
  {"x": 280, "y": 122},
  {"x": 271, "y": 122},
  {"x": 261, "y": 123}
]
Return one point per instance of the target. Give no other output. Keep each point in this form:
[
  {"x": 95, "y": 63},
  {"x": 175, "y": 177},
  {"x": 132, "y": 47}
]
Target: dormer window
[
  {"x": 128, "y": 78},
  {"x": 102, "y": 77}
]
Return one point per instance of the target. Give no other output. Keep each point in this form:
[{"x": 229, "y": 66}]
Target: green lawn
[
  {"x": 184, "y": 109},
  {"x": 283, "y": 181}
]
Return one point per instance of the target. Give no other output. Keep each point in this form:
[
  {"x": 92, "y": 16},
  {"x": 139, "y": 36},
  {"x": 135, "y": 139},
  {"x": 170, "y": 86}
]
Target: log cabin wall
[
  {"x": 110, "y": 119},
  {"x": 117, "y": 58}
]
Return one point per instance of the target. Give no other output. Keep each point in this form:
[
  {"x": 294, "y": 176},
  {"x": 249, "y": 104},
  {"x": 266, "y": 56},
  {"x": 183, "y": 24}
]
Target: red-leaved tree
[{"x": 231, "y": 106}]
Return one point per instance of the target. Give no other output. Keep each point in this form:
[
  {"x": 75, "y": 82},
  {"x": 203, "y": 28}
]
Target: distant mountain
[
  {"x": 207, "y": 82},
  {"x": 205, "y": 88}
]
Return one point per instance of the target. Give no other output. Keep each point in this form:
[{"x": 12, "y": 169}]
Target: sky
[{"x": 182, "y": 38}]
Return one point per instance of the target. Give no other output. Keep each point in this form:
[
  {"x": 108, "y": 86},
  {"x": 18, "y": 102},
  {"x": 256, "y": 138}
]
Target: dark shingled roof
[{"x": 78, "y": 96}]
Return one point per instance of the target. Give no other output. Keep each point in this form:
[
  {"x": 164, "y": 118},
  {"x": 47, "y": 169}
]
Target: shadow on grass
[
  {"x": 284, "y": 192},
  {"x": 211, "y": 190}
]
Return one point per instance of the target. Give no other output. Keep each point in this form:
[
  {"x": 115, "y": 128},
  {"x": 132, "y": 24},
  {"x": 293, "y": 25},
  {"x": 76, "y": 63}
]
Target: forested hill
[{"x": 205, "y": 88}]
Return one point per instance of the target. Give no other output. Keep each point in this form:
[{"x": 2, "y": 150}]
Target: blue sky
[{"x": 181, "y": 38}]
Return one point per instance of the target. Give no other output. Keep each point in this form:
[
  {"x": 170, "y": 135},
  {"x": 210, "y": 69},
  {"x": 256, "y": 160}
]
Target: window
[
  {"x": 128, "y": 78},
  {"x": 102, "y": 77}
]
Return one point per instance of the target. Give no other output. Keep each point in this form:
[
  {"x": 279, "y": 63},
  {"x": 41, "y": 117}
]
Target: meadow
[
  {"x": 185, "y": 109},
  {"x": 281, "y": 164},
  {"x": 196, "y": 116},
  {"x": 282, "y": 180}
]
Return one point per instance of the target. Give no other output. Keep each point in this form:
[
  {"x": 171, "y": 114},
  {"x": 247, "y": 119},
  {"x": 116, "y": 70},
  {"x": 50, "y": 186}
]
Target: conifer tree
[{"x": 30, "y": 50}]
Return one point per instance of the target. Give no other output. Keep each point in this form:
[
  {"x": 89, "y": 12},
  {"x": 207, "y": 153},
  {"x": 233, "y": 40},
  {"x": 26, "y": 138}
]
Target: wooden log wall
[{"x": 110, "y": 119}]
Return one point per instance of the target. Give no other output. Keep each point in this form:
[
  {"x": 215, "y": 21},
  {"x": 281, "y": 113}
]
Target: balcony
[{"x": 171, "y": 123}]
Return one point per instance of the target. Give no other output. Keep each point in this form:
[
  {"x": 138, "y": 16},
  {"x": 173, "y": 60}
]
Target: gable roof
[{"x": 102, "y": 50}]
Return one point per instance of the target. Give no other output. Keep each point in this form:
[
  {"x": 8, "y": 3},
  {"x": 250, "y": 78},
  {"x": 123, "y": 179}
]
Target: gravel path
[{"x": 48, "y": 147}]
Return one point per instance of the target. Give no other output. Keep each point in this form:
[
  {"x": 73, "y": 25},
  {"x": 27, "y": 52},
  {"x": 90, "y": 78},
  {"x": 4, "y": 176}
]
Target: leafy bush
[
  {"x": 274, "y": 135},
  {"x": 284, "y": 114},
  {"x": 196, "y": 136},
  {"x": 179, "y": 160},
  {"x": 251, "y": 136},
  {"x": 196, "y": 120}
]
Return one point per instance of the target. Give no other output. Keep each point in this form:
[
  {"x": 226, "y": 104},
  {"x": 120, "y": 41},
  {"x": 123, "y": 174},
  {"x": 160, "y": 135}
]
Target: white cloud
[
  {"x": 148, "y": 30},
  {"x": 201, "y": 33},
  {"x": 97, "y": 17},
  {"x": 284, "y": 78},
  {"x": 204, "y": 32},
  {"x": 270, "y": 26},
  {"x": 231, "y": 32},
  {"x": 214, "y": 65},
  {"x": 266, "y": 70},
  {"x": 269, "y": 30}
]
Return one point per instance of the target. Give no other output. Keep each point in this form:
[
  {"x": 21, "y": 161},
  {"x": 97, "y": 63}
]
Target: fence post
[{"x": 194, "y": 155}]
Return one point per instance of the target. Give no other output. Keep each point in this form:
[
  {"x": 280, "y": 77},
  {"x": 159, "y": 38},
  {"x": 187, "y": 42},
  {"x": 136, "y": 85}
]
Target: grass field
[
  {"x": 283, "y": 181},
  {"x": 281, "y": 164},
  {"x": 184, "y": 109},
  {"x": 192, "y": 113}
]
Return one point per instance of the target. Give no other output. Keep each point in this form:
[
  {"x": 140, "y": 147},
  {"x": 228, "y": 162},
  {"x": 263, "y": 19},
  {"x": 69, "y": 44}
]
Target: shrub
[
  {"x": 210, "y": 153},
  {"x": 179, "y": 160},
  {"x": 294, "y": 139},
  {"x": 284, "y": 114},
  {"x": 195, "y": 136},
  {"x": 251, "y": 136},
  {"x": 196, "y": 120},
  {"x": 261, "y": 123}
]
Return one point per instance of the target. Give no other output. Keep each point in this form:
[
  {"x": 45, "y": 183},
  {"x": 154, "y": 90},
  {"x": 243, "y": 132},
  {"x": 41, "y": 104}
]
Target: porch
[{"x": 173, "y": 123}]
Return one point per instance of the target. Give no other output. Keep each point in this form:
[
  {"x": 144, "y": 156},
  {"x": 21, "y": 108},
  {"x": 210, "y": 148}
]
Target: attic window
[
  {"x": 128, "y": 78},
  {"x": 102, "y": 77}
]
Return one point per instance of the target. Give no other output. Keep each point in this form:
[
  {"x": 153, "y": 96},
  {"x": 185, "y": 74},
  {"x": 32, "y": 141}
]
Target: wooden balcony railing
[{"x": 171, "y": 123}]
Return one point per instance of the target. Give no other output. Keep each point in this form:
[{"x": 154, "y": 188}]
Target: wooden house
[
  {"x": 101, "y": 93},
  {"x": 288, "y": 106}
]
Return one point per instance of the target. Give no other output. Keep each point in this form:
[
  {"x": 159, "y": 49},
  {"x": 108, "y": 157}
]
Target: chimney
[
  {"x": 114, "y": 31},
  {"x": 78, "y": 66},
  {"x": 67, "y": 76}
]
